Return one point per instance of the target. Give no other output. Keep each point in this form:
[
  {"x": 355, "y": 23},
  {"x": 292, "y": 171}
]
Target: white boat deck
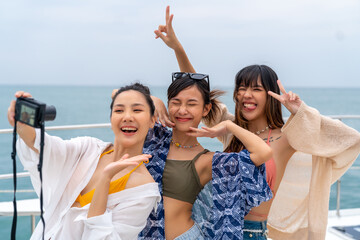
[{"x": 348, "y": 217}]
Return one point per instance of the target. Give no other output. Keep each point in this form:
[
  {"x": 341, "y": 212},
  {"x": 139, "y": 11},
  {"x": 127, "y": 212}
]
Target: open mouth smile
[
  {"x": 129, "y": 130},
  {"x": 249, "y": 106}
]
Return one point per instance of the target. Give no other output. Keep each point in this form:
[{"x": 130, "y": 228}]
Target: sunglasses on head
[{"x": 194, "y": 76}]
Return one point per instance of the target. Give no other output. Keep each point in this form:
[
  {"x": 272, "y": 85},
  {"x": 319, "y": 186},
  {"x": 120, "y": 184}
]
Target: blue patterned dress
[{"x": 237, "y": 186}]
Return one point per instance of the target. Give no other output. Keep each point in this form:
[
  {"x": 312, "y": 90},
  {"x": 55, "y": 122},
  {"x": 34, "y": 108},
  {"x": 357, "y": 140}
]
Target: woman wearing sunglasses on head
[
  {"x": 95, "y": 189},
  {"x": 182, "y": 167},
  {"x": 333, "y": 146}
]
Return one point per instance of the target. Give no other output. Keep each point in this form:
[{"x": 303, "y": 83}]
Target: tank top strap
[
  {"x": 268, "y": 140},
  {"x": 198, "y": 155}
]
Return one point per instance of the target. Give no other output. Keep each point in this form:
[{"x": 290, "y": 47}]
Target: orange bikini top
[
  {"x": 270, "y": 168},
  {"x": 270, "y": 177},
  {"x": 115, "y": 186}
]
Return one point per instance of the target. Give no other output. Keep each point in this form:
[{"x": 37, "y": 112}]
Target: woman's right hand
[
  {"x": 170, "y": 38},
  {"x": 11, "y": 109},
  {"x": 25, "y": 132},
  {"x": 161, "y": 113}
]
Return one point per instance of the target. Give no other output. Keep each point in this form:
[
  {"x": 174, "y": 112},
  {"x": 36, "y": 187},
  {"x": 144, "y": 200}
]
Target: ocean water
[{"x": 89, "y": 104}]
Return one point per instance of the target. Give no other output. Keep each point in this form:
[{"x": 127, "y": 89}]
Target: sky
[{"x": 309, "y": 43}]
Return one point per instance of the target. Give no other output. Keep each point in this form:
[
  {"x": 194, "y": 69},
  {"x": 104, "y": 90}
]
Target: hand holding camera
[
  {"x": 24, "y": 115},
  {"x": 27, "y": 133},
  {"x": 11, "y": 109},
  {"x": 29, "y": 111},
  {"x": 29, "y": 114}
]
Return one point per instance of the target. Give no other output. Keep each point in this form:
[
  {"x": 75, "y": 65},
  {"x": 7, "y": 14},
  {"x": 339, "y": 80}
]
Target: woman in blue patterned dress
[{"x": 182, "y": 167}]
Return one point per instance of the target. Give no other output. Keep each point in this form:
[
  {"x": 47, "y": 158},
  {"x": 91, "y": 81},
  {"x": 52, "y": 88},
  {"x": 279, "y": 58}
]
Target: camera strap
[
  {"x": 42, "y": 142},
  {"x": 13, "y": 156}
]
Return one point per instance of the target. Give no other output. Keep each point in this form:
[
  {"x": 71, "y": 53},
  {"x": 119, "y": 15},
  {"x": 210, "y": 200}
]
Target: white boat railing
[
  {"x": 107, "y": 125},
  {"x": 68, "y": 127}
]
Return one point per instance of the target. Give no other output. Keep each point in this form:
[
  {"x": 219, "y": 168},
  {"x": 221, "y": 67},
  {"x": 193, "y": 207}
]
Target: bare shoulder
[
  {"x": 205, "y": 161},
  {"x": 284, "y": 143},
  {"x": 282, "y": 151},
  {"x": 209, "y": 155},
  {"x": 204, "y": 167},
  {"x": 206, "y": 158},
  {"x": 139, "y": 177},
  {"x": 277, "y": 139}
]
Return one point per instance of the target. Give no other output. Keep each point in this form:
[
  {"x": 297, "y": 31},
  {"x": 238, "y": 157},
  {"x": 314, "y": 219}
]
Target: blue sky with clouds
[{"x": 309, "y": 43}]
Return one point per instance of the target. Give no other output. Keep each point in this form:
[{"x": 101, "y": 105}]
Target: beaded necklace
[
  {"x": 261, "y": 131},
  {"x": 183, "y": 146}
]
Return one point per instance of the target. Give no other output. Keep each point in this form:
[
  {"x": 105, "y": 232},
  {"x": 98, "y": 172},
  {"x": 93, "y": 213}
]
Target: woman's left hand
[
  {"x": 170, "y": 38},
  {"x": 113, "y": 168},
  {"x": 215, "y": 131},
  {"x": 114, "y": 91},
  {"x": 289, "y": 99}
]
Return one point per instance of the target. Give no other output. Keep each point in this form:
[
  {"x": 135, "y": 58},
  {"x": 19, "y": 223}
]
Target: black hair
[
  {"x": 202, "y": 85},
  {"x": 139, "y": 88},
  {"x": 248, "y": 77}
]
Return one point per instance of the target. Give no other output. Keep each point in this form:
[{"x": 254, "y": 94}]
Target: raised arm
[
  {"x": 25, "y": 132},
  {"x": 172, "y": 42},
  {"x": 59, "y": 156},
  {"x": 260, "y": 152},
  {"x": 309, "y": 132}
]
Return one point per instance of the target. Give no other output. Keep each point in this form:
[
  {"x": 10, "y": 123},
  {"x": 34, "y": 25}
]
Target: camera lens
[{"x": 50, "y": 113}]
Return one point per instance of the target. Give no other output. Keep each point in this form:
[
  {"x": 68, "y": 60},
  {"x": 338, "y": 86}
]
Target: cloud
[{"x": 66, "y": 39}]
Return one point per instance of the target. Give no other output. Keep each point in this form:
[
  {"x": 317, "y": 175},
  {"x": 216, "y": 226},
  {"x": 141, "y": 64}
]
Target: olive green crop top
[{"x": 180, "y": 179}]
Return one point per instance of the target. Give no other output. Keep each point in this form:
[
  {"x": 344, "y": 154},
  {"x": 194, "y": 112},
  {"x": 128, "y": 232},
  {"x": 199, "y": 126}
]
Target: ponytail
[{"x": 215, "y": 108}]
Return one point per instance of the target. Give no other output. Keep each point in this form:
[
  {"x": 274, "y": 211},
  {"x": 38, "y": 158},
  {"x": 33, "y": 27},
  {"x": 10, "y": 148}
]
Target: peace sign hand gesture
[
  {"x": 170, "y": 38},
  {"x": 289, "y": 99}
]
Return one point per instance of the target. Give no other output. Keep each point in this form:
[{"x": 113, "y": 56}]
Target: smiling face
[
  {"x": 187, "y": 108},
  {"x": 252, "y": 100},
  {"x": 131, "y": 118}
]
